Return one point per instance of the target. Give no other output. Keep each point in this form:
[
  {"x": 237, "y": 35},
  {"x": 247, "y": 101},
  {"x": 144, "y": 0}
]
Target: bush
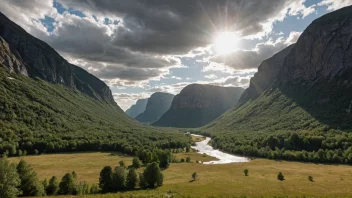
[
  {"x": 182, "y": 160},
  {"x": 194, "y": 176},
  {"x": 142, "y": 182},
  {"x": 188, "y": 159},
  {"x": 136, "y": 163},
  {"x": 9, "y": 179},
  {"x": 122, "y": 163},
  {"x": 280, "y": 176},
  {"x": 310, "y": 178},
  {"x": 245, "y": 172},
  {"x": 94, "y": 189}
]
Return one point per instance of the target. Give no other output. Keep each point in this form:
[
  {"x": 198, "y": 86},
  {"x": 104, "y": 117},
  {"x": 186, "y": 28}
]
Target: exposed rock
[
  {"x": 324, "y": 50},
  {"x": 197, "y": 105},
  {"x": 137, "y": 108},
  {"x": 157, "y": 105},
  {"x": 264, "y": 78},
  {"x": 34, "y": 58}
]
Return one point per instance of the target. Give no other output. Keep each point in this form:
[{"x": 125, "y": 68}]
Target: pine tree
[{"x": 30, "y": 184}]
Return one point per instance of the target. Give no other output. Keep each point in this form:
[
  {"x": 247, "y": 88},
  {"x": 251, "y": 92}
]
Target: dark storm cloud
[
  {"x": 176, "y": 27},
  {"x": 130, "y": 74}
]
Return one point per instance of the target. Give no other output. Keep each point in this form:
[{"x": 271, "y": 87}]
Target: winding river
[{"x": 224, "y": 158}]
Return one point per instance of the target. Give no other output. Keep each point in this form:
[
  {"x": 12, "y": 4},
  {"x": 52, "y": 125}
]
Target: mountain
[
  {"x": 197, "y": 105},
  {"x": 137, "y": 108},
  {"x": 302, "y": 111},
  {"x": 49, "y": 105},
  {"x": 157, "y": 105},
  {"x": 266, "y": 75}
]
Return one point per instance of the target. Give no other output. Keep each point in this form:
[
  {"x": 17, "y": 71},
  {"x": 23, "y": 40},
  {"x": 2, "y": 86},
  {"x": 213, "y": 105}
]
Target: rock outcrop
[
  {"x": 197, "y": 105},
  {"x": 266, "y": 75},
  {"x": 157, "y": 105},
  {"x": 137, "y": 108},
  {"x": 25, "y": 54}
]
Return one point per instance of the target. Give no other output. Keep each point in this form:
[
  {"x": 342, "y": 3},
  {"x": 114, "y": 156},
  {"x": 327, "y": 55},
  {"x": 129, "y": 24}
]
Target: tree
[
  {"x": 153, "y": 175},
  {"x": 94, "y": 189},
  {"x": 45, "y": 184},
  {"x": 310, "y": 178},
  {"x": 9, "y": 179},
  {"x": 245, "y": 172},
  {"x": 136, "y": 163},
  {"x": 82, "y": 188},
  {"x": 30, "y": 184},
  {"x": 132, "y": 179},
  {"x": 188, "y": 148},
  {"x": 280, "y": 176},
  {"x": 122, "y": 163},
  {"x": 182, "y": 160},
  {"x": 105, "y": 179},
  {"x": 119, "y": 178},
  {"x": 194, "y": 176},
  {"x": 188, "y": 159},
  {"x": 53, "y": 186},
  {"x": 67, "y": 185},
  {"x": 142, "y": 182}
]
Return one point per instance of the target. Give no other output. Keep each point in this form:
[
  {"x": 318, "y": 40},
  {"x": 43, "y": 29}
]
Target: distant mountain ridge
[
  {"x": 197, "y": 105},
  {"x": 34, "y": 58},
  {"x": 137, "y": 108},
  {"x": 157, "y": 105}
]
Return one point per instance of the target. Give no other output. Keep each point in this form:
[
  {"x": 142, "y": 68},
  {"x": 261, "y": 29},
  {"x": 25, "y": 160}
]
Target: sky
[{"x": 139, "y": 47}]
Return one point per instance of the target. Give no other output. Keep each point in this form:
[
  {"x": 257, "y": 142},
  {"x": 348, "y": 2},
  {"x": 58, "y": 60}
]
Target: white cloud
[{"x": 335, "y": 4}]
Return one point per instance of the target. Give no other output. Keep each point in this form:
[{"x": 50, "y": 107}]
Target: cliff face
[
  {"x": 157, "y": 105},
  {"x": 137, "y": 108},
  {"x": 324, "y": 50},
  {"x": 264, "y": 78},
  {"x": 311, "y": 89},
  {"x": 197, "y": 105},
  {"x": 32, "y": 57}
]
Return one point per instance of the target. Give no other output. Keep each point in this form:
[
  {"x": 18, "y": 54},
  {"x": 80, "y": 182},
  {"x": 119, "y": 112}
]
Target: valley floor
[{"x": 214, "y": 180}]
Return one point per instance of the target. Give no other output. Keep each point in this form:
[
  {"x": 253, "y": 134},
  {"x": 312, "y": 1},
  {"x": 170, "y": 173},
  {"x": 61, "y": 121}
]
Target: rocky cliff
[
  {"x": 197, "y": 105},
  {"x": 266, "y": 75},
  {"x": 311, "y": 90},
  {"x": 22, "y": 53},
  {"x": 137, "y": 108},
  {"x": 157, "y": 105}
]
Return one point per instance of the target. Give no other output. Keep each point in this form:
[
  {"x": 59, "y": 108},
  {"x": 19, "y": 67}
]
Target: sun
[{"x": 226, "y": 42}]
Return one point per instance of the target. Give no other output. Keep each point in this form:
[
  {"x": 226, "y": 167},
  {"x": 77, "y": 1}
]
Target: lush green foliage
[
  {"x": 53, "y": 186},
  {"x": 153, "y": 175},
  {"x": 9, "y": 179},
  {"x": 136, "y": 163},
  {"x": 67, "y": 185},
  {"x": 37, "y": 116},
  {"x": 132, "y": 179},
  {"x": 30, "y": 184},
  {"x": 275, "y": 126},
  {"x": 119, "y": 178},
  {"x": 105, "y": 179}
]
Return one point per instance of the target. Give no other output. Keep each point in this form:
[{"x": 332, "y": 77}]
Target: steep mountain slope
[
  {"x": 137, "y": 108},
  {"x": 49, "y": 105},
  {"x": 311, "y": 95},
  {"x": 38, "y": 59},
  {"x": 197, "y": 105},
  {"x": 264, "y": 78},
  {"x": 157, "y": 105}
]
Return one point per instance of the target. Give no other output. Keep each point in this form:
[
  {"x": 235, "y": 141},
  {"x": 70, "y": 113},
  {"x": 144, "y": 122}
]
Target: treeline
[
  {"x": 332, "y": 146},
  {"x": 22, "y": 180}
]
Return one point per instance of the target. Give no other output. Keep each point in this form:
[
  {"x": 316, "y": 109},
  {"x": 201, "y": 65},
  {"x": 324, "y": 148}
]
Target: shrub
[
  {"x": 310, "y": 178},
  {"x": 53, "y": 186},
  {"x": 136, "y": 163},
  {"x": 194, "y": 176},
  {"x": 122, "y": 163},
  {"x": 245, "y": 172},
  {"x": 280, "y": 176},
  {"x": 188, "y": 159},
  {"x": 182, "y": 160},
  {"x": 67, "y": 185}
]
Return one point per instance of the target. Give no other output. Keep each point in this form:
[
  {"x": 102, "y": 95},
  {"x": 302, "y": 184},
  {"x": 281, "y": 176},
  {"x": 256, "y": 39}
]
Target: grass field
[{"x": 214, "y": 180}]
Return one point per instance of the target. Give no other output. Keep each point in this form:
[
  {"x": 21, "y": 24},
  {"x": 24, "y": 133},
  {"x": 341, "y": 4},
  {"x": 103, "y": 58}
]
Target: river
[{"x": 224, "y": 158}]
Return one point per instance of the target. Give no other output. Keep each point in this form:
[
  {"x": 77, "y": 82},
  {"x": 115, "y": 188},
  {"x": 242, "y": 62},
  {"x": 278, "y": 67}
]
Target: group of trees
[
  {"x": 121, "y": 179},
  {"x": 22, "y": 180}
]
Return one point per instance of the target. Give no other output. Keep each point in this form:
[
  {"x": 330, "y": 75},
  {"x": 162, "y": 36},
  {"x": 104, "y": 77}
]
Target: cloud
[
  {"x": 177, "y": 27},
  {"x": 335, "y": 4},
  {"x": 250, "y": 59},
  {"x": 126, "y": 100}
]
